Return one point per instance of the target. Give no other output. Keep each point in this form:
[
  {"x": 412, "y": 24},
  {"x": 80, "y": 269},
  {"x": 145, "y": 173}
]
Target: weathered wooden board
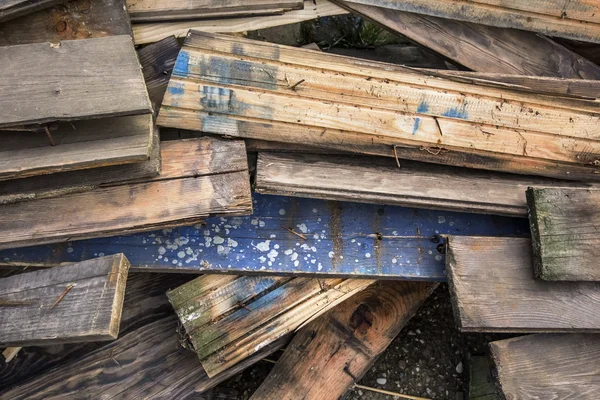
[
  {"x": 565, "y": 223},
  {"x": 482, "y": 384},
  {"x": 342, "y": 240},
  {"x": 73, "y": 19},
  {"x": 229, "y": 318},
  {"x": 76, "y": 145},
  {"x": 104, "y": 80},
  {"x": 80, "y": 302},
  {"x": 548, "y": 366},
  {"x": 146, "y": 363},
  {"x": 484, "y": 48},
  {"x": 188, "y": 190},
  {"x": 10, "y": 9},
  {"x": 379, "y": 180},
  {"x": 37, "y": 187},
  {"x": 578, "y": 20},
  {"x": 157, "y": 62},
  {"x": 331, "y": 353},
  {"x": 494, "y": 290},
  {"x": 153, "y": 32},
  {"x": 219, "y": 81},
  {"x": 162, "y": 10}
]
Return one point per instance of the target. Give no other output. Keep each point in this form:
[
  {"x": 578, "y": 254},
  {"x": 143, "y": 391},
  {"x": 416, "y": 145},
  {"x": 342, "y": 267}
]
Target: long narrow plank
[
  {"x": 80, "y": 302},
  {"x": 74, "y": 19},
  {"x": 157, "y": 62},
  {"x": 77, "y": 145},
  {"x": 157, "y": 10},
  {"x": 331, "y": 353},
  {"x": 186, "y": 192},
  {"x": 10, "y": 9},
  {"x": 507, "y": 15},
  {"x": 61, "y": 183},
  {"x": 153, "y": 32},
  {"x": 484, "y": 48},
  {"x": 548, "y": 366},
  {"x": 377, "y": 180},
  {"x": 564, "y": 228},
  {"x": 494, "y": 290},
  {"x": 101, "y": 72}
]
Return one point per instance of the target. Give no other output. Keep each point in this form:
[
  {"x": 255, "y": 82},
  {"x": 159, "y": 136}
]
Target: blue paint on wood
[
  {"x": 182, "y": 64},
  {"x": 342, "y": 239},
  {"x": 176, "y": 88},
  {"x": 423, "y": 107},
  {"x": 416, "y": 125},
  {"x": 456, "y": 112}
]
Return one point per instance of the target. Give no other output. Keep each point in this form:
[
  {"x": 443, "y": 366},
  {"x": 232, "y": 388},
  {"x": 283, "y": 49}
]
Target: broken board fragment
[
  {"x": 229, "y": 318},
  {"x": 334, "y": 351},
  {"x": 80, "y": 302},
  {"x": 494, "y": 290},
  {"x": 200, "y": 177},
  {"x": 548, "y": 366},
  {"x": 565, "y": 223}
]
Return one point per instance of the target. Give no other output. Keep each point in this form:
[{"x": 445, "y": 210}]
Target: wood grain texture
[
  {"x": 494, "y": 290},
  {"x": 75, "y": 303},
  {"x": 379, "y": 180},
  {"x": 103, "y": 80},
  {"x": 548, "y": 366},
  {"x": 157, "y": 62},
  {"x": 564, "y": 228},
  {"x": 186, "y": 191},
  {"x": 218, "y": 81},
  {"x": 334, "y": 351},
  {"x": 578, "y": 20},
  {"x": 77, "y": 145},
  {"x": 153, "y": 32},
  {"x": 74, "y": 19},
  {"x": 484, "y": 48},
  {"x": 157, "y": 10},
  {"x": 10, "y": 9},
  {"x": 229, "y": 319},
  {"x": 37, "y": 187}
]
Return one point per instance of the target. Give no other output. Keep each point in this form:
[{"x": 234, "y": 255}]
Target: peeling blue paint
[
  {"x": 455, "y": 112},
  {"x": 182, "y": 64},
  {"x": 416, "y": 125},
  {"x": 423, "y": 107},
  {"x": 176, "y": 88}
]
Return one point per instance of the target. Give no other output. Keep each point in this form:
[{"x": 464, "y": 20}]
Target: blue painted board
[{"x": 341, "y": 239}]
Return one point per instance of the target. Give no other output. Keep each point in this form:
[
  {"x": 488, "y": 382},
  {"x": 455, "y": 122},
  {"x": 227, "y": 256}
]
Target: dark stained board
[
  {"x": 334, "y": 351},
  {"x": 76, "y": 145},
  {"x": 494, "y": 290},
  {"x": 61, "y": 183},
  {"x": 547, "y": 366},
  {"x": 380, "y": 180},
  {"x": 565, "y": 223},
  {"x": 75, "y": 303},
  {"x": 10, "y": 9},
  {"x": 74, "y": 19},
  {"x": 482, "y": 383},
  {"x": 104, "y": 79},
  {"x": 157, "y": 60},
  {"x": 484, "y": 48},
  {"x": 203, "y": 180}
]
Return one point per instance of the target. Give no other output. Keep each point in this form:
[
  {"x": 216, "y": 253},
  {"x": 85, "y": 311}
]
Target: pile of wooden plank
[{"x": 133, "y": 133}]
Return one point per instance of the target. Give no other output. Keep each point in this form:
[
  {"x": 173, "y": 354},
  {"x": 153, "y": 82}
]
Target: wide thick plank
[
  {"x": 228, "y": 320},
  {"x": 76, "y": 145},
  {"x": 74, "y": 19},
  {"x": 157, "y": 62},
  {"x": 75, "y": 303},
  {"x": 331, "y": 353},
  {"x": 157, "y": 10},
  {"x": 61, "y": 183},
  {"x": 494, "y": 290},
  {"x": 379, "y": 180},
  {"x": 10, "y": 9},
  {"x": 565, "y": 224},
  {"x": 153, "y": 32},
  {"x": 484, "y": 48},
  {"x": 219, "y": 81},
  {"x": 548, "y": 366},
  {"x": 187, "y": 191},
  {"x": 578, "y": 20},
  {"x": 104, "y": 79}
]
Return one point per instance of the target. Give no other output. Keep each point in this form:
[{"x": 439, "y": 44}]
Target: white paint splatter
[
  {"x": 368, "y": 255},
  {"x": 319, "y": 267},
  {"x": 272, "y": 254},
  {"x": 302, "y": 228},
  {"x": 294, "y": 256},
  {"x": 264, "y": 246},
  {"x": 314, "y": 210},
  {"x": 262, "y": 259},
  {"x": 441, "y": 219},
  {"x": 331, "y": 254},
  {"x": 296, "y": 263},
  {"x": 181, "y": 254},
  {"x": 282, "y": 212},
  {"x": 232, "y": 243},
  {"x": 69, "y": 249},
  {"x": 288, "y": 252},
  {"x": 218, "y": 240}
]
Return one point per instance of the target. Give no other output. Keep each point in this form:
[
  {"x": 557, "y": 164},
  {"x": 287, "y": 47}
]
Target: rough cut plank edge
[{"x": 538, "y": 267}]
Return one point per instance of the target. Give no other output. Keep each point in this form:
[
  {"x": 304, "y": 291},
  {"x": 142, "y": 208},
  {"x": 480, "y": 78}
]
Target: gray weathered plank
[
  {"x": 379, "y": 180},
  {"x": 565, "y": 223},
  {"x": 80, "y": 302},
  {"x": 548, "y": 366},
  {"x": 103, "y": 79},
  {"x": 10, "y": 9},
  {"x": 494, "y": 290}
]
